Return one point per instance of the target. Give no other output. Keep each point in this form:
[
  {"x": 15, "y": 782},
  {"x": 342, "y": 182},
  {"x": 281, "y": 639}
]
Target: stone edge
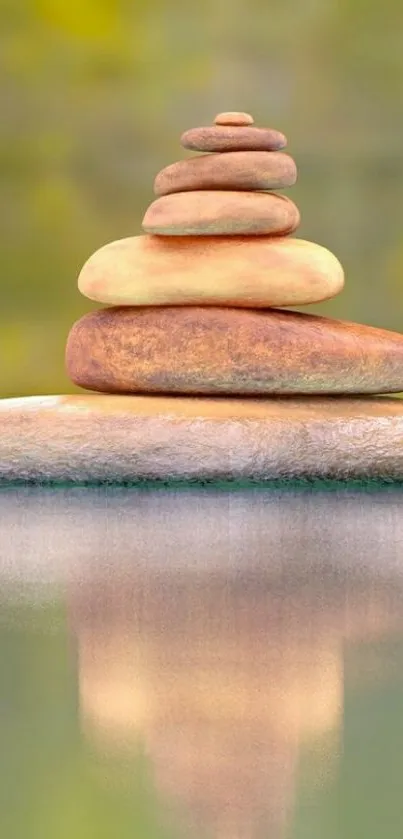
[{"x": 62, "y": 446}]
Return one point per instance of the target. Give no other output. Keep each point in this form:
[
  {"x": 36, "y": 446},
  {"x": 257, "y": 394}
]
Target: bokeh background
[{"x": 95, "y": 94}]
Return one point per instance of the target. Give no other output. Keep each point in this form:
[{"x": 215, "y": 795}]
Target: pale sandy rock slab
[
  {"x": 234, "y": 118},
  {"x": 241, "y": 170},
  {"x": 225, "y": 138},
  {"x": 249, "y": 271},
  {"x": 230, "y": 351},
  {"x": 126, "y": 438},
  {"x": 221, "y": 213}
]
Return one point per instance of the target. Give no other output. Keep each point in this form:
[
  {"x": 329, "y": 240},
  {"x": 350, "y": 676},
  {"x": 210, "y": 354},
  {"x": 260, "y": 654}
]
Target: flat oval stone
[
  {"x": 234, "y": 118},
  {"x": 233, "y": 138},
  {"x": 244, "y": 271},
  {"x": 221, "y": 213},
  {"x": 212, "y": 351},
  {"x": 102, "y": 438},
  {"x": 238, "y": 170}
]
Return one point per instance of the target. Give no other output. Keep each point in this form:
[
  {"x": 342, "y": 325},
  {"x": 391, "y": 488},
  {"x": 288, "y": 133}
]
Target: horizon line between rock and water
[{"x": 306, "y": 483}]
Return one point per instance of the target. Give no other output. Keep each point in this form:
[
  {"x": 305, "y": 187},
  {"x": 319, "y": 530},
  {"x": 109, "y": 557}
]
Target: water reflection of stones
[
  {"x": 212, "y": 629},
  {"x": 223, "y": 681}
]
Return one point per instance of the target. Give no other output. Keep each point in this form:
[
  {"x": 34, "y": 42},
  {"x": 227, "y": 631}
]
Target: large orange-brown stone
[
  {"x": 221, "y": 213},
  {"x": 245, "y": 271},
  {"x": 211, "y": 351},
  {"x": 225, "y": 138},
  {"x": 239, "y": 170},
  {"x": 130, "y": 438}
]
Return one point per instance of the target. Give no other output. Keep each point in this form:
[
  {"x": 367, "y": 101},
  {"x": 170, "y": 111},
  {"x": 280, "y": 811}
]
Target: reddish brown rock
[
  {"x": 129, "y": 438},
  {"x": 212, "y": 351},
  {"x": 234, "y": 118},
  {"x": 241, "y": 170},
  {"x": 223, "y": 138},
  {"x": 245, "y": 271},
  {"x": 221, "y": 213}
]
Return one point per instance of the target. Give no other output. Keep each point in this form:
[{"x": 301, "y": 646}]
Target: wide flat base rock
[{"x": 100, "y": 438}]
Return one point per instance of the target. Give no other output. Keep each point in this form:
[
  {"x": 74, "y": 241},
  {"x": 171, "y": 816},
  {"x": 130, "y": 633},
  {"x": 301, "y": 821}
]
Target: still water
[{"x": 201, "y": 662}]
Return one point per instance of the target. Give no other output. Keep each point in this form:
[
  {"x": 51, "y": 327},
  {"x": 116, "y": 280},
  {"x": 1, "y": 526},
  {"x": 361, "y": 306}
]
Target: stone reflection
[
  {"x": 224, "y": 633},
  {"x": 224, "y": 671}
]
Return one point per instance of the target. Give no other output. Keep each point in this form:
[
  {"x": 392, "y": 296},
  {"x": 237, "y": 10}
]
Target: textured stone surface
[
  {"x": 234, "y": 118},
  {"x": 214, "y": 351},
  {"x": 254, "y": 170},
  {"x": 240, "y": 271},
  {"x": 233, "y": 138},
  {"x": 116, "y": 438},
  {"x": 217, "y": 213}
]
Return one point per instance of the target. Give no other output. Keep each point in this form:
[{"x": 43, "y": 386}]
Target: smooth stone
[
  {"x": 212, "y": 351},
  {"x": 223, "y": 213},
  {"x": 233, "y": 138},
  {"x": 244, "y": 170},
  {"x": 234, "y": 118},
  {"x": 249, "y": 272},
  {"x": 131, "y": 438}
]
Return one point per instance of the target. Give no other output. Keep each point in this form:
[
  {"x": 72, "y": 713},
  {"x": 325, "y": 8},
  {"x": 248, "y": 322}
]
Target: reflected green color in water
[
  {"x": 363, "y": 797},
  {"x": 52, "y": 783},
  {"x": 201, "y": 663}
]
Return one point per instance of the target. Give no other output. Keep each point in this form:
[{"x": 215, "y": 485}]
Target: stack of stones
[
  {"x": 192, "y": 303},
  {"x": 200, "y": 370}
]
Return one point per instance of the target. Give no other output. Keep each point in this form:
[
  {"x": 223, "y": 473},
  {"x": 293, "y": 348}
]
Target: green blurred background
[{"x": 95, "y": 94}]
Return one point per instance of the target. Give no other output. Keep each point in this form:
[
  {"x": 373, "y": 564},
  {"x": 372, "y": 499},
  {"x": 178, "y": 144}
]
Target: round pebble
[
  {"x": 220, "y": 350},
  {"x": 221, "y": 213},
  {"x": 237, "y": 170},
  {"x": 224, "y": 138},
  {"x": 242, "y": 271},
  {"x": 234, "y": 118}
]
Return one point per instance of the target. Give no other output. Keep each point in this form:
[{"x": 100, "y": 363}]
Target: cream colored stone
[{"x": 249, "y": 272}]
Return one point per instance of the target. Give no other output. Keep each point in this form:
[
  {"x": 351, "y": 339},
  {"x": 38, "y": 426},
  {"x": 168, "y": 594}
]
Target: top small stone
[{"x": 234, "y": 118}]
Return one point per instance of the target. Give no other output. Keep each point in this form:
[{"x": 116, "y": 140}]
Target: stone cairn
[{"x": 192, "y": 304}]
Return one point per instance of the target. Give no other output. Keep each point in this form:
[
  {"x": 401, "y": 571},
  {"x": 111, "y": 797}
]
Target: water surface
[{"x": 201, "y": 661}]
